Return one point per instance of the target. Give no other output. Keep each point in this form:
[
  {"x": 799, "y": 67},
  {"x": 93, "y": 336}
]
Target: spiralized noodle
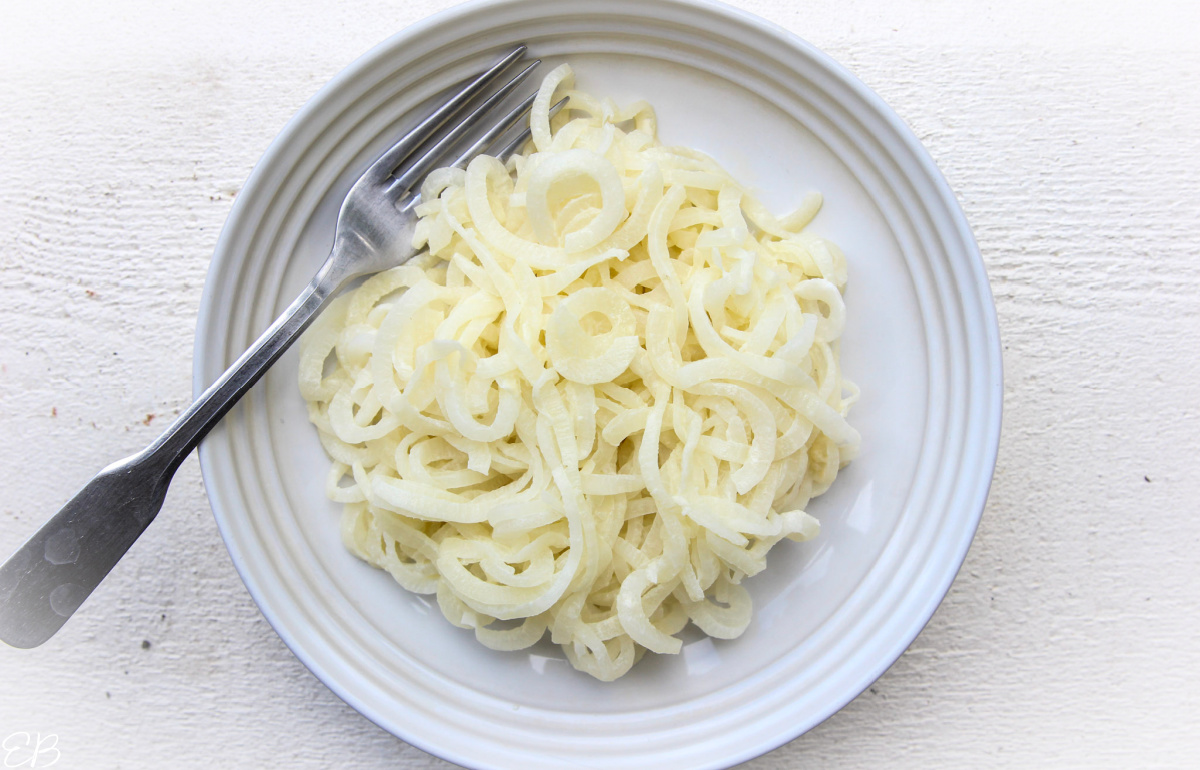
[{"x": 606, "y": 389}]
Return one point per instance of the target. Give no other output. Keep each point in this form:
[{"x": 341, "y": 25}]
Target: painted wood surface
[{"x": 1069, "y": 133}]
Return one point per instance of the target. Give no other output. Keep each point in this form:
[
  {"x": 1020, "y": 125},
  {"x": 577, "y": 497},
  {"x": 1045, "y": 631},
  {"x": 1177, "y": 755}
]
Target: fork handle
[{"x": 45, "y": 581}]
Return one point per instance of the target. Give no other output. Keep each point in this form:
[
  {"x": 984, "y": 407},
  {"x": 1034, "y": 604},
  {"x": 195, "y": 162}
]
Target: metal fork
[{"x": 47, "y": 579}]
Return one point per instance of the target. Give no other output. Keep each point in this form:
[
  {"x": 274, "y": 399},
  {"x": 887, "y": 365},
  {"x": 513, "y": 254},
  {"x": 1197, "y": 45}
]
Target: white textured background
[{"x": 1071, "y": 134}]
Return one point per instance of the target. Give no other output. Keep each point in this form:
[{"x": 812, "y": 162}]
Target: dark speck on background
[{"x": 145, "y": 644}]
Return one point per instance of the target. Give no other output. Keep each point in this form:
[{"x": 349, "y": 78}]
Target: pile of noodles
[{"x": 608, "y": 388}]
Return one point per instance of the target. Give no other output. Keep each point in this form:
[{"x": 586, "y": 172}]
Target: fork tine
[
  {"x": 495, "y": 132},
  {"x": 390, "y": 160},
  {"x": 510, "y": 149},
  {"x": 435, "y": 157}
]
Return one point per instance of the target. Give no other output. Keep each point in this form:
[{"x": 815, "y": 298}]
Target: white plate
[{"x": 830, "y": 615}]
